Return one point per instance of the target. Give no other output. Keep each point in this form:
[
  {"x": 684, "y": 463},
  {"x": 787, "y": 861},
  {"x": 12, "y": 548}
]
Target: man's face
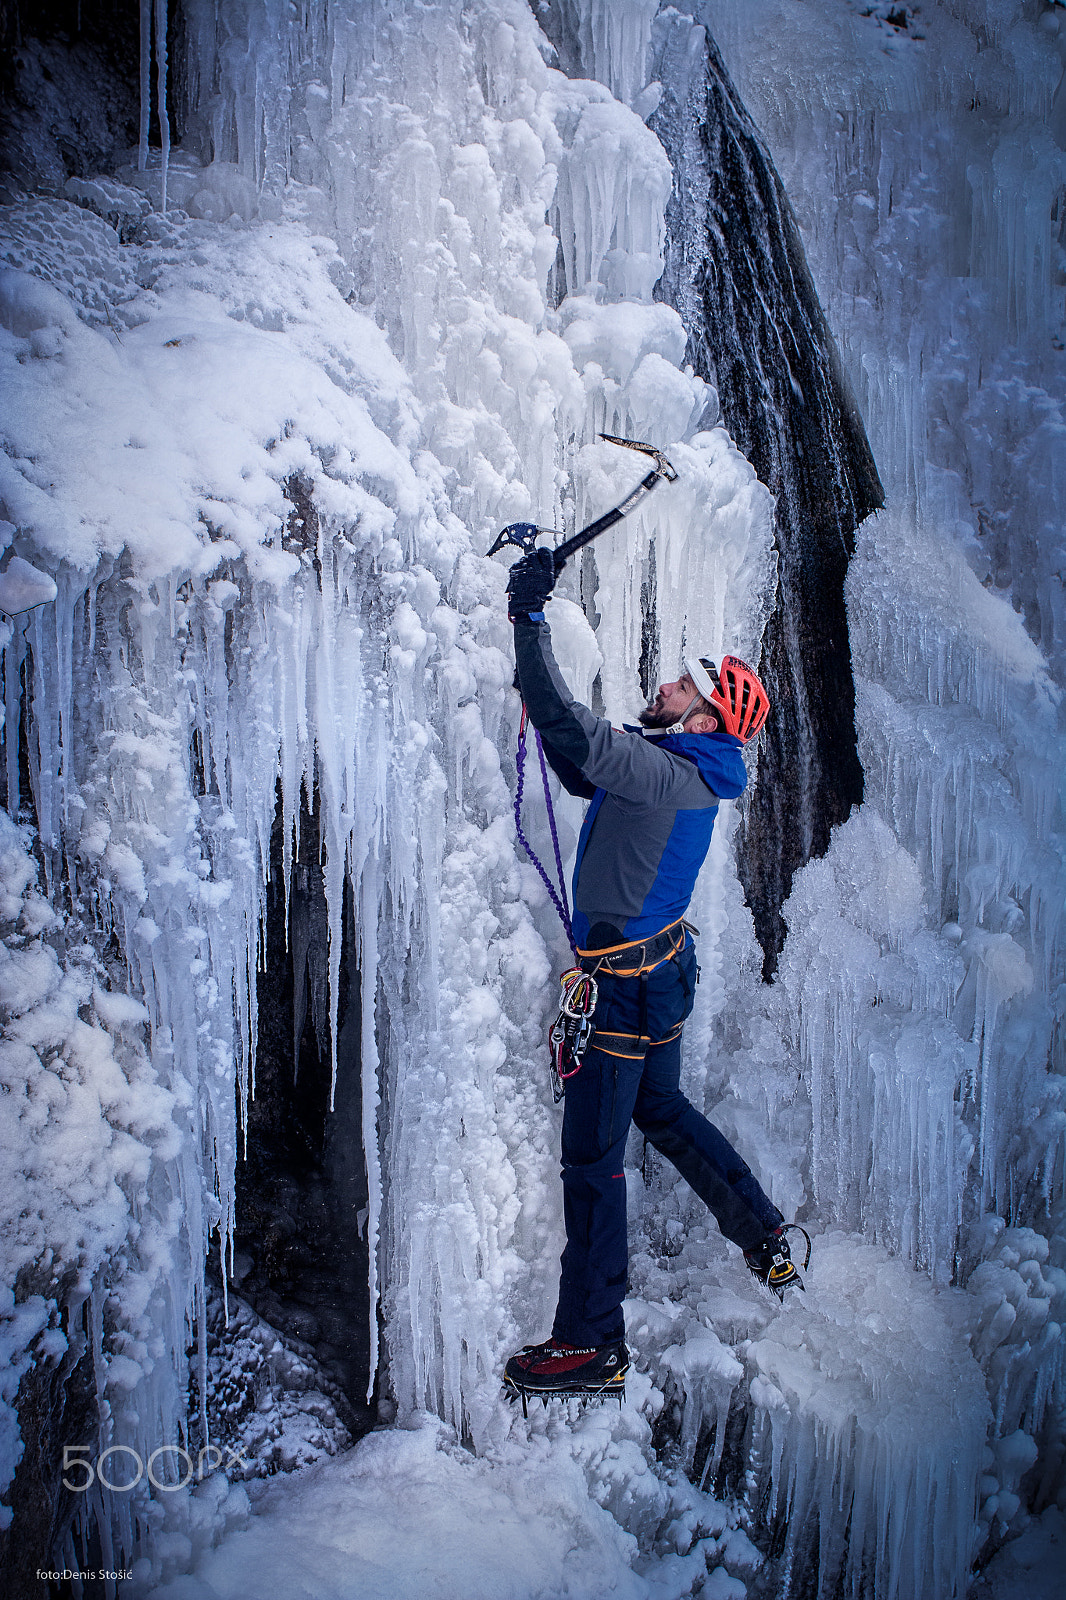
[{"x": 671, "y": 702}]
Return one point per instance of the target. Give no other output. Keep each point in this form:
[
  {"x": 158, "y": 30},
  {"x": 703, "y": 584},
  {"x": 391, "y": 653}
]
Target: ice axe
[{"x": 524, "y": 534}]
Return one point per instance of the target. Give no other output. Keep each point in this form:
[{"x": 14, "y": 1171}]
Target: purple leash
[{"x": 562, "y": 906}]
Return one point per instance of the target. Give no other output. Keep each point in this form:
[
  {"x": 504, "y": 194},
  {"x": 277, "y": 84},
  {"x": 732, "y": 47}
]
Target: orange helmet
[{"x": 734, "y": 691}]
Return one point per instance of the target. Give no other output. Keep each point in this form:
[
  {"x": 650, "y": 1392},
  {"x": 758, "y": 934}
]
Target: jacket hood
[{"x": 716, "y": 756}]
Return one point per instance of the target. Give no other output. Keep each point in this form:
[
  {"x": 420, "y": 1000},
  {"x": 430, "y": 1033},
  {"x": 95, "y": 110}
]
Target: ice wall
[
  {"x": 453, "y": 260},
  {"x": 919, "y": 989},
  {"x": 212, "y": 646},
  {"x": 178, "y": 680},
  {"x": 405, "y": 273}
]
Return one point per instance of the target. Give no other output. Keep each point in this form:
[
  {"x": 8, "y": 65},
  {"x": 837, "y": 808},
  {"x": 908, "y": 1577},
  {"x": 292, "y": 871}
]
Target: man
[{"x": 654, "y": 793}]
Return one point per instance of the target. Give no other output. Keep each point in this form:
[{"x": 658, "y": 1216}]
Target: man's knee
[
  {"x": 600, "y": 1169},
  {"x": 658, "y": 1113}
]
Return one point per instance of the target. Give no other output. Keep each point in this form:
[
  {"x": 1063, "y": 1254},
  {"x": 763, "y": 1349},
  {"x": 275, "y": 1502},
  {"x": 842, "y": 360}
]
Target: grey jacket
[{"x": 653, "y": 801}]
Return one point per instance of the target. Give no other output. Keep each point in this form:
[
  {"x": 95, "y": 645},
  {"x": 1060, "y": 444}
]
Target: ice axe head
[{"x": 522, "y": 534}]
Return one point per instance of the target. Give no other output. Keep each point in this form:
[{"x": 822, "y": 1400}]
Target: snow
[
  {"x": 269, "y": 1407},
  {"x": 560, "y": 1505},
  {"x": 23, "y": 587},
  {"x": 402, "y": 276},
  {"x": 399, "y": 1516}
]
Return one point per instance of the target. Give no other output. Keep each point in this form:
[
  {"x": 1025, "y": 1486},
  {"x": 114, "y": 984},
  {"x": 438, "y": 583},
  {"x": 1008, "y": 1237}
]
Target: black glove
[{"x": 530, "y": 582}]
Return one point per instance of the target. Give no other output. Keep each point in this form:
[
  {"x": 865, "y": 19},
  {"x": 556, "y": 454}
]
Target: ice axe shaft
[{"x": 524, "y": 534}]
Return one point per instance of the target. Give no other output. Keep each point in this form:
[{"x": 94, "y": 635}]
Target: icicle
[
  {"x": 145, "y": 84},
  {"x": 161, "y": 90},
  {"x": 390, "y": 676},
  {"x": 14, "y": 657},
  {"x": 371, "y": 1101}
]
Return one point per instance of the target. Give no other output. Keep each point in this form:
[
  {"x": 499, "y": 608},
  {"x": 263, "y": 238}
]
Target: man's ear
[{"x": 702, "y": 722}]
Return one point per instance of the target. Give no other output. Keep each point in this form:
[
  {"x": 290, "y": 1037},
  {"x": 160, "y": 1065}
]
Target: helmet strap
[
  {"x": 675, "y": 727},
  {"x": 693, "y": 703}
]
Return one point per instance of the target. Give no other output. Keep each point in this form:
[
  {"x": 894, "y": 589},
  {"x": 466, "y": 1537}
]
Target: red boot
[{"x": 556, "y": 1368}]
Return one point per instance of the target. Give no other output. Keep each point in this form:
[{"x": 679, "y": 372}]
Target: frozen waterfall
[{"x": 367, "y": 289}]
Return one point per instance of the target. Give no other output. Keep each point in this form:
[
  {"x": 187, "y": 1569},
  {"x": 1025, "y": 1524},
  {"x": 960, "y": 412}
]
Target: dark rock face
[
  {"x": 70, "y": 88},
  {"x": 736, "y": 274},
  {"x": 57, "y": 1407}
]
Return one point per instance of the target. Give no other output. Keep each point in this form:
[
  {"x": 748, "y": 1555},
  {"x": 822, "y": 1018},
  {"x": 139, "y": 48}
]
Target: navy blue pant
[{"x": 631, "y": 1073}]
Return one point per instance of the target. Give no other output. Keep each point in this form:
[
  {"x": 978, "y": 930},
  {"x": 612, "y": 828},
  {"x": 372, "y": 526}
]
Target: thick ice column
[
  {"x": 871, "y": 995},
  {"x": 869, "y": 1433},
  {"x": 613, "y": 187}
]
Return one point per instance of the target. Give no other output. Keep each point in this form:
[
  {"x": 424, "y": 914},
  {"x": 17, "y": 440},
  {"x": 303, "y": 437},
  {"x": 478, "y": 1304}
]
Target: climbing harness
[
  {"x": 571, "y": 1033},
  {"x": 524, "y": 534},
  {"x": 636, "y": 956}
]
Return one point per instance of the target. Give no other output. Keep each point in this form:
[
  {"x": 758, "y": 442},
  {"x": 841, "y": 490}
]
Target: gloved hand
[{"x": 530, "y": 582}]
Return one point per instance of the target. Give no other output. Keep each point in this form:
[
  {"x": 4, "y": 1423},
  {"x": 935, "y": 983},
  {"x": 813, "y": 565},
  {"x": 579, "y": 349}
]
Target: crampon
[
  {"x": 554, "y": 1370},
  {"x": 771, "y": 1262}
]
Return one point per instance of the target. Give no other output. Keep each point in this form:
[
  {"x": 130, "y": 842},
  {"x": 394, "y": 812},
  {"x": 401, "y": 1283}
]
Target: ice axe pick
[{"x": 524, "y": 534}]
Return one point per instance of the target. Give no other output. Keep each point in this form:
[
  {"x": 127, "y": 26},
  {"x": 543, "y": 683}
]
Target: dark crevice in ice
[{"x": 301, "y": 1254}]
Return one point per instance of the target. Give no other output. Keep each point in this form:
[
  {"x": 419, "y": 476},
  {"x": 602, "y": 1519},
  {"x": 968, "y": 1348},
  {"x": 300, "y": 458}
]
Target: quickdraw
[{"x": 571, "y": 1033}]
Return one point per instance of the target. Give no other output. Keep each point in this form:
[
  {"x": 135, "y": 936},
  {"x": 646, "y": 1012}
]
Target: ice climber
[{"x": 654, "y": 793}]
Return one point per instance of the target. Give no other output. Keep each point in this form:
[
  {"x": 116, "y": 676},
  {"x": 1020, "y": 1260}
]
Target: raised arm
[{"x": 622, "y": 763}]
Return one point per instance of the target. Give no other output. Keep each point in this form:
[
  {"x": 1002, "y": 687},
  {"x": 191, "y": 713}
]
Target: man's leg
[
  {"x": 592, "y": 1281},
  {"x": 702, "y": 1155}
]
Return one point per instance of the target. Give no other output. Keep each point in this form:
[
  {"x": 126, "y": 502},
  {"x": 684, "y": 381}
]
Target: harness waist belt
[
  {"x": 631, "y": 1046},
  {"x": 637, "y": 955}
]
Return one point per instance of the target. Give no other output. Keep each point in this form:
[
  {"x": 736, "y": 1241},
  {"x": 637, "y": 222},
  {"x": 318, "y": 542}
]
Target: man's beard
[{"x": 653, "y": 716}]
